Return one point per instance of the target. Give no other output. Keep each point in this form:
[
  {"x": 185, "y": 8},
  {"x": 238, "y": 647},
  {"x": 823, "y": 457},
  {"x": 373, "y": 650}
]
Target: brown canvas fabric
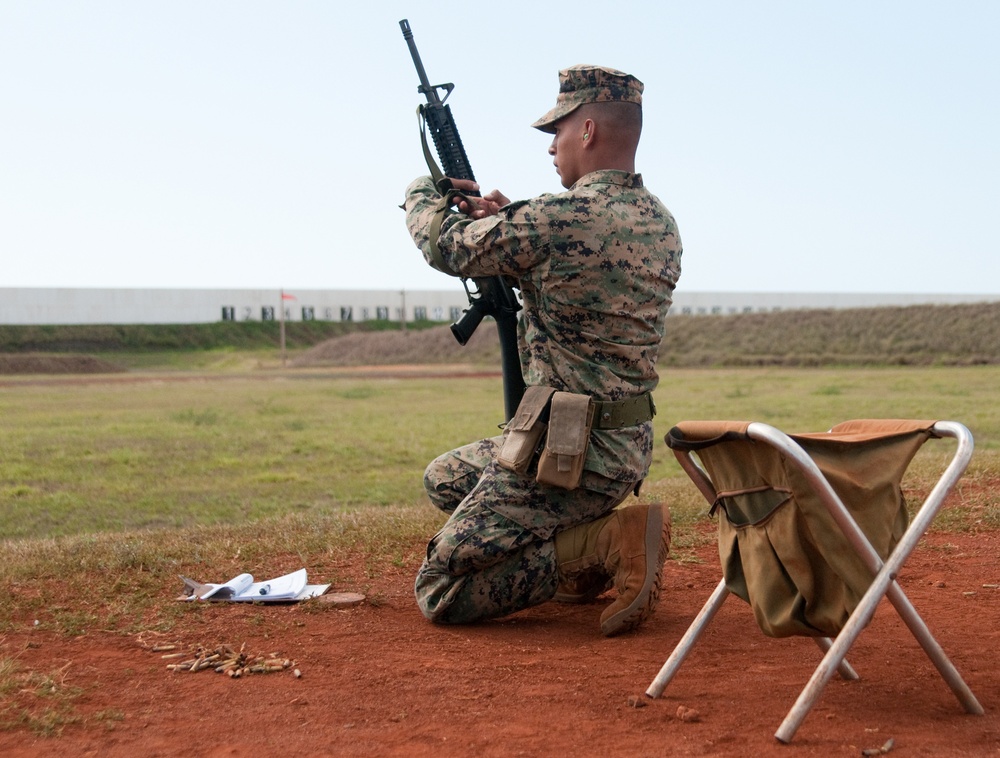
[{"x": 780, "y": 549}]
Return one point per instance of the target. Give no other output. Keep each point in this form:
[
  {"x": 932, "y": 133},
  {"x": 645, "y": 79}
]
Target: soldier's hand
[
  {"x": 496, "y": 200},
  {"x": 479, "y": 207}
]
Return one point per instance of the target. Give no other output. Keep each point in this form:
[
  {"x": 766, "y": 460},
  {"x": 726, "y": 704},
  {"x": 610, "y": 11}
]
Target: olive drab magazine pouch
[
  {"x": 563, "y": 420},
  {"x": 571, "y": 417},
  {"x": 523, "y": 433},
  {"x": 813, "y": 531},
  {"x": 780, "y": 549}
]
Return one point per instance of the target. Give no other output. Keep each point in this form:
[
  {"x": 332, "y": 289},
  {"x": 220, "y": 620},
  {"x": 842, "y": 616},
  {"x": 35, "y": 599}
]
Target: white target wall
[{"x": 64, "y": 306}]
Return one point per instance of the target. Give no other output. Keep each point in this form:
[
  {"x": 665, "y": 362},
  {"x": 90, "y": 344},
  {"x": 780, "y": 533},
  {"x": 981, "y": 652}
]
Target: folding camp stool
[{"x": 841, "y": 491}]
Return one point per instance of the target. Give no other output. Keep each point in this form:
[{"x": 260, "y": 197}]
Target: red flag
[{"x": 286, "y": 296}]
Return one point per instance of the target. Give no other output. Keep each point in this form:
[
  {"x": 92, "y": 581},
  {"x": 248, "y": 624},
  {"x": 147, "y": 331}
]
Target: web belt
[{"x": 617, "y": 414}]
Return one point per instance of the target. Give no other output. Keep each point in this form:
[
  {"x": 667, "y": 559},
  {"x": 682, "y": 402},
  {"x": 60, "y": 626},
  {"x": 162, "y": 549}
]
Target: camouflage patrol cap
[{"x": 590, "y": 84}]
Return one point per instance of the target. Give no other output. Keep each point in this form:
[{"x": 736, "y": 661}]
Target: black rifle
[{"x": 489, "y": 296}]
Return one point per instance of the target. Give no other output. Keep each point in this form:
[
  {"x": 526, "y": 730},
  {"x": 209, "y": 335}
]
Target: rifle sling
[
  {"x": 436, "y": 173},
  {"x": 434, "y": 232}
]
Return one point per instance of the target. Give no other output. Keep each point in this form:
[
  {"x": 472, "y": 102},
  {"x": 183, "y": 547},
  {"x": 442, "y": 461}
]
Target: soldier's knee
[{"x": 431, "y": 480}]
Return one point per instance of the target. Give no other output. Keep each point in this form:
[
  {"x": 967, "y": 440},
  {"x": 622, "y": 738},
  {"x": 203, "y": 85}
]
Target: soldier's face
[{"x": 567, "y": 148}]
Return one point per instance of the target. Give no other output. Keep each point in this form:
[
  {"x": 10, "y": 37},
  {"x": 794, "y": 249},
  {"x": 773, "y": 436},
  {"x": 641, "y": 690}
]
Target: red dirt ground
[{"x": 378, "y": 679}]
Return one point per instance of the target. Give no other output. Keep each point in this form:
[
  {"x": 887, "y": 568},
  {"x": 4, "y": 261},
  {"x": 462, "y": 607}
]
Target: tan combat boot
[{"x": 630, "y": 545}]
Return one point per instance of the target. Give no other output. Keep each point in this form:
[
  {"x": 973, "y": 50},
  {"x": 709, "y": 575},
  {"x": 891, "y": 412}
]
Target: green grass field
[{"x": 215, "y": 449}]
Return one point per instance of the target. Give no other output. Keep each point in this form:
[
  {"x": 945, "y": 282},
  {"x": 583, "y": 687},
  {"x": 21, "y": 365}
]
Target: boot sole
[{"x": 648, "y": 598}]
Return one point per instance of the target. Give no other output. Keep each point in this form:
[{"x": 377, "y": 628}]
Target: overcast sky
[{"x": 847, "y": 146}]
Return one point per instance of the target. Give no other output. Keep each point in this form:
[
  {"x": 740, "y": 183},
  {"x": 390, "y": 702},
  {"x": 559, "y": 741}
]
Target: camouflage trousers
[{"x": 485, "y": 564}]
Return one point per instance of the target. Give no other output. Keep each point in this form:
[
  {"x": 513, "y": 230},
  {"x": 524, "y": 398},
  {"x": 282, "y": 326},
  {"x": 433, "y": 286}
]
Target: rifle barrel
[{"x": 425, "y": 83}]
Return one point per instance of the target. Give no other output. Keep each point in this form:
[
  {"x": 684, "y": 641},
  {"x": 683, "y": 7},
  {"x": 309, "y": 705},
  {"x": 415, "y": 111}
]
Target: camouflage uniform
[{"x": 596, "y": 267}]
